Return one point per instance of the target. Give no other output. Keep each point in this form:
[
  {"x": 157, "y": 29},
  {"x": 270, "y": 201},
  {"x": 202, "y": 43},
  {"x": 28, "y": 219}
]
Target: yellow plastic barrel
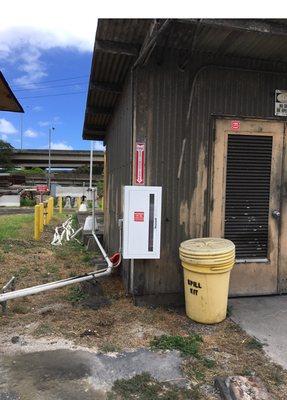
[{"x": 207, "y": 263}]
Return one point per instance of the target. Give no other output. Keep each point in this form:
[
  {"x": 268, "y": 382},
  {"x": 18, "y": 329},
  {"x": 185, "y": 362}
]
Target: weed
[
  {"x": 208, "y": 362},
  {"x": 76, "y": 294},
  {"x": 247, "y": 372},
  {"x": 87, "y": 258},
  {"x": 145, "y": 387},
  {"x": 199, "y": 375},
  {"x": 24, "y": 202},
  {"x": 277, "y": 376},
  {"x": 2, "y": 257},
  {"x": 43, "y": 329},
  {"x": 188, "y": 346},
  {"x": 254, "y": 344}
]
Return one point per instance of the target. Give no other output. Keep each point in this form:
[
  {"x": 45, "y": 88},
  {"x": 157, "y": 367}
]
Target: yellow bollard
[
  {"x": 49, "y": 209},
  {"x": 45, "y": 212},
  {"x": 37, "y": 222},
  {"x": 41, "y": 217},
  {"x": 79, "y": 202},
  {"x": 52, "y": 206},
  {"x": 60, "y": 204}
]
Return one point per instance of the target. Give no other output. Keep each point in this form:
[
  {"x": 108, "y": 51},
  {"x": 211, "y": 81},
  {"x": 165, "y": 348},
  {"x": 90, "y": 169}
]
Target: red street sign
[
  {"x": 42, "y": 188},
  {"x": 139, "y": 216},
  {"x": 140, "y": 163},
  {"x": 235, "y": 125}
]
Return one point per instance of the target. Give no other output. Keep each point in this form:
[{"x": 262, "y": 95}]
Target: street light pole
[{"x": 49, "y": 158}]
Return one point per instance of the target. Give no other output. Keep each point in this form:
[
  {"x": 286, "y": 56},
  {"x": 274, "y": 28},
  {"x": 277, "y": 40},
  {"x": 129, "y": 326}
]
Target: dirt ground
[{"x": 116, "y": 325}]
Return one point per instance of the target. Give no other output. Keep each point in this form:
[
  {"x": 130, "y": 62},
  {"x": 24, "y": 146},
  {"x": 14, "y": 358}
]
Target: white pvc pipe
[
  {"x": 53, "y": 285},
  {"x": 91, "y": 164},
  {"x": 108, "y": 261}
]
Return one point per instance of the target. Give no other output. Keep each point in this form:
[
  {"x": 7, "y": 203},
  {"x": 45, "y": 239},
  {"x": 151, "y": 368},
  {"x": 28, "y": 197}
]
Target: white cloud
[
  {"x": 34, "y": 26},
  {"x": 30, "y": 133},
  {"x": 7, "y": 127},
  {"x": 44, "y": 123},
  {"x": 61, "y": 146},
  {"x": 54, "y": 121},
  {"x": 37, "y": 108},
  {"x": 32, "y": 67},
  {"x": 4, "y": 137}
]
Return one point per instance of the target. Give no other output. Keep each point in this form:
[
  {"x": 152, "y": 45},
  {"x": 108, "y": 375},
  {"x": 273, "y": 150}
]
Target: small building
[
  {"x": 207, "y": 101},
  {"x": 8, "y": 101}
]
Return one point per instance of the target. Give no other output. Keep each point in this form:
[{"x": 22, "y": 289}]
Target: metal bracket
[{"x": 10, "y": 284}]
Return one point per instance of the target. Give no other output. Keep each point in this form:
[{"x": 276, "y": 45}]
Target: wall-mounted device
[{"x": 141, "y": 222}]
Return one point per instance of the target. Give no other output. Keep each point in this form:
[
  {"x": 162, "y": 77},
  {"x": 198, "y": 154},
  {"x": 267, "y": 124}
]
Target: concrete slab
[
  {"x": 266, "y": 319},
  {"x": 79, "y": 375}
]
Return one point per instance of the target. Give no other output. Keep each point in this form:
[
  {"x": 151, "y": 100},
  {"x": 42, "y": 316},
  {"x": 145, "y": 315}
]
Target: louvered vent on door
[{"x": 247, "y": 194}]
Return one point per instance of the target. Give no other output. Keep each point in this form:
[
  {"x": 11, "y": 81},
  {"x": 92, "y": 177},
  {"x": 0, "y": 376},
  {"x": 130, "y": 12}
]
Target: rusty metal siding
[
  {"x": 177, "y": 105},
  {"x": 119, "y": 165}
]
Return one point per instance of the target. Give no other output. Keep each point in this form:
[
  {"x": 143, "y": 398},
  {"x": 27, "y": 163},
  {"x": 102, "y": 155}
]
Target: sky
[
  {"x": 46, "y": 51},
  {"x": 46, "y": 59}
]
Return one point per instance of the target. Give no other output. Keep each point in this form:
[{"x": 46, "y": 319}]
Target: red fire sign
[
  {"x": 139, "y": 216},
  {"x": 140, "y": 163},
  {"x": 42, "y": 188},
  {"x": 235, "y": 125}
]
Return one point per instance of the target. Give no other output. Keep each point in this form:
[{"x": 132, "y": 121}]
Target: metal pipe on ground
[{"x": 53, "y": 285}]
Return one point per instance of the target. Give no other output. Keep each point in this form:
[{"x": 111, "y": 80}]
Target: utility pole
[
  {"x": 21, "y": 130},
  {"x": 49, "y": 157}
]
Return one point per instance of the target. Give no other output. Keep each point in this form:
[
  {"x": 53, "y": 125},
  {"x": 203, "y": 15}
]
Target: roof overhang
[
  {"x": 8, "y": 101},
  {"x": 121, "y": 44}
]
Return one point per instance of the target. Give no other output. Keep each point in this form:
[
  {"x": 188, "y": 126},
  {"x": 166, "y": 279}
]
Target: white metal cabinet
[{"x": 141, "y": 222}]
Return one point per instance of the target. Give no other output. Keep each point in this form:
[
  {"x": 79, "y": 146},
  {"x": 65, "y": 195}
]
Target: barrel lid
[{"x": 207, "y": 246}]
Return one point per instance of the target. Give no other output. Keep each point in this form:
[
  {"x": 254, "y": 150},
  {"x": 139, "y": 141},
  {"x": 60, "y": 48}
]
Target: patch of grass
[
  {"x": 52, "y": 268},
  {"x": 254, "y": 344},
  {"x": 187, "y": 345},
  {"x": 145, "y": 387},
  {"x": 74, "y": 221},
  {"x": 76, "y": 294},
  {"x": 22, "y": 272},
  {"x": 19, "y": 309},
  {"x": 2, "y": 257},
  {"x": 108, "y": 348},
  {"x": 13, "y": 226}
]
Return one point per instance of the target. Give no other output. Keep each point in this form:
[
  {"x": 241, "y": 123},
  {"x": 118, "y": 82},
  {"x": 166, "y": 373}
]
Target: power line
[
  {"x": 50, "y": 87},
  {"x": 54, "y": 80},
  {"x": 52, "y": 95}
]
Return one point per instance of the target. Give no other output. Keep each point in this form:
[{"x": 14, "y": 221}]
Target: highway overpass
[{"x": 59, "y": 158}]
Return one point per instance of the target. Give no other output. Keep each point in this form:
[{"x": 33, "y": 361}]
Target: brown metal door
[{"x": 246, "y": 187}]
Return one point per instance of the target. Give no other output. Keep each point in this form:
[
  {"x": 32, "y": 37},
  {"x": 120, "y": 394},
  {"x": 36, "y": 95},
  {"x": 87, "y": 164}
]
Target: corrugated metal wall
[
  {"x": 118, "y": 169},
  {"x": 174, "y": 107}
]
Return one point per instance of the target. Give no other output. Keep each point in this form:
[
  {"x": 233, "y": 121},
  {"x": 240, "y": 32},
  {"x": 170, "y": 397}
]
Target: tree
[{"x": 6, "y": 152}]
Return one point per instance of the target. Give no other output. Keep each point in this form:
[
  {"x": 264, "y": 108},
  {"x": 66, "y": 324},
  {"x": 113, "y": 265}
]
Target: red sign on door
[
  {"x": 139, "y": 216},
  {"x": 140, "y": 163},
  {"x": 235, "y": 125}
]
